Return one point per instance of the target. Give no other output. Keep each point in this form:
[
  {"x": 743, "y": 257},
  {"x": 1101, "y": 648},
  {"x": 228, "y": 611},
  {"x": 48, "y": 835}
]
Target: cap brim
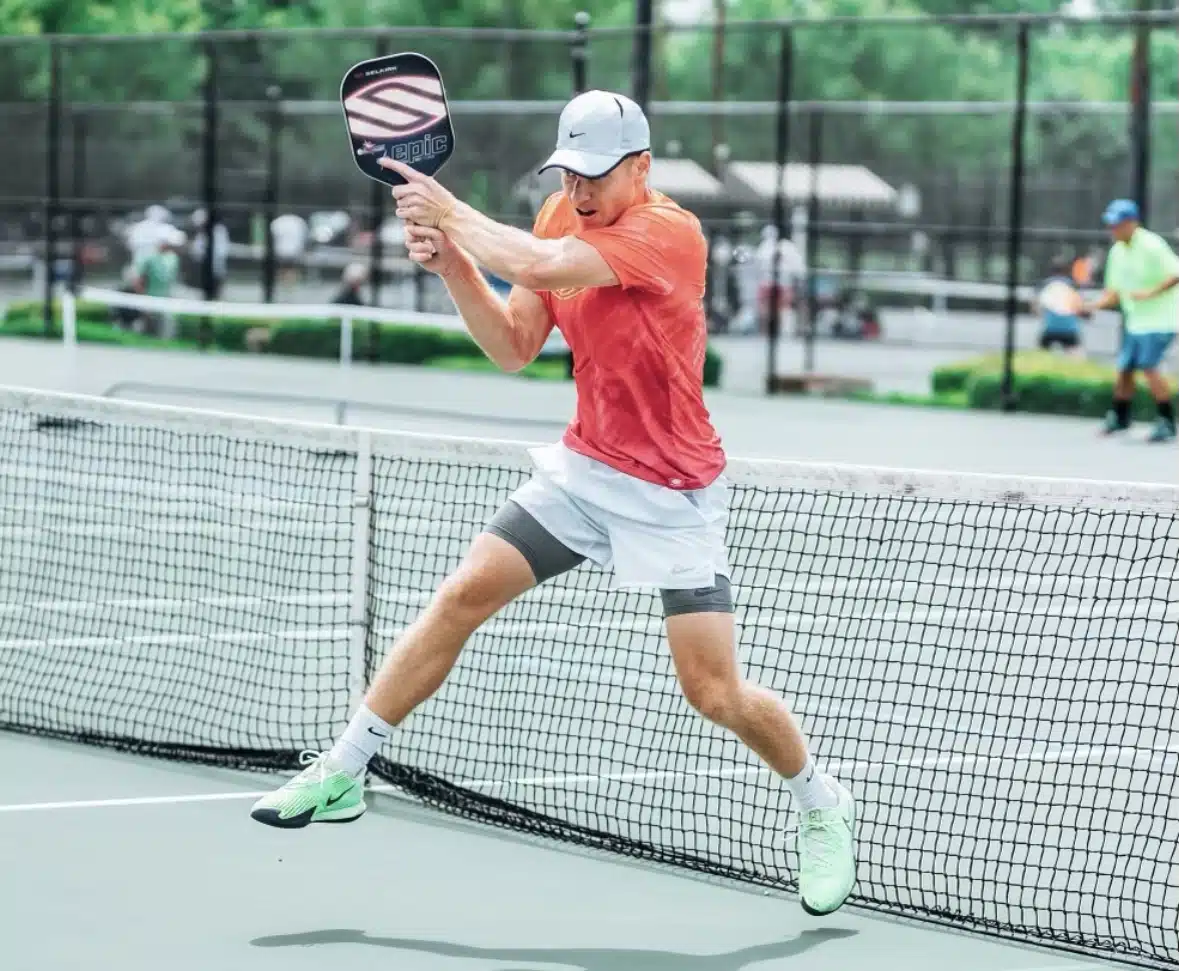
[{"x": 589, "y": 165}]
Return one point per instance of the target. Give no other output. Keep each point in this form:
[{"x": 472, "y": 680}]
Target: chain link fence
[{"x": 902, "y": 181}]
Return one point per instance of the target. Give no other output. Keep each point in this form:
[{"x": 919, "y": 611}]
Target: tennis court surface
[{"x": 987, "y": 661}]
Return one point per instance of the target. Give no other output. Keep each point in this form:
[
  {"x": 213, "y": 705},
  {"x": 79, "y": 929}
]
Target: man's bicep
[{"x": 531, "y": 321}]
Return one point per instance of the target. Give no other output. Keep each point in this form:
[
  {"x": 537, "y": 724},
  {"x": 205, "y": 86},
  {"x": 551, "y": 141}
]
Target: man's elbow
[{"x": 536, "y": 277}]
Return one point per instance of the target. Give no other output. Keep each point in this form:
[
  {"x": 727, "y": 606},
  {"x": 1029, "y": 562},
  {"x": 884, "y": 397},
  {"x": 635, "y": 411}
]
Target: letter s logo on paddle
[{"x": 395, "y": 107}]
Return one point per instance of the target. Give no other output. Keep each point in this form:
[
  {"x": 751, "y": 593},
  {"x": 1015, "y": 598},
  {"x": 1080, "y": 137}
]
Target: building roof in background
[
  {"x": 837, "y": 185},
  {"x": 680, "y": 178}
]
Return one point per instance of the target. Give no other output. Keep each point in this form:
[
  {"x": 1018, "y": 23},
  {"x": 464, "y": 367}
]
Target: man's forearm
[
  {"x": 1108, "y": 300},
  {"x": 1163, "y": 287},
  {"x": 509, "y": 253},
  {"x": 486, "y": 316}
]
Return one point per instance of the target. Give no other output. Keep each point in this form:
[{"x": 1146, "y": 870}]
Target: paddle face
[{"x": 395, "y": 107}]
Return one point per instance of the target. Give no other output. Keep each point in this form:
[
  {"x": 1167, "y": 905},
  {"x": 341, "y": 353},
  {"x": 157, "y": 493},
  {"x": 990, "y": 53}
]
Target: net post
[
  {"x": 358, "y": 592},
  {"x": 345, "y": 361},
  {"x": 69, "y": 337}
]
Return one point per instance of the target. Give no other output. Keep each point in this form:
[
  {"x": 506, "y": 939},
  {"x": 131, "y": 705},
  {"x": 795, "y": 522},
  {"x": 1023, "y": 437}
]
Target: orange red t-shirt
[{"x": 638, "y": 348}]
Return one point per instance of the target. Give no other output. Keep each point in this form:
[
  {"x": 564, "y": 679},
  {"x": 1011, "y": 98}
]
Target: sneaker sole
[
  {"x": 271, "y": 817},
  {"x": 807, "y": 908}
]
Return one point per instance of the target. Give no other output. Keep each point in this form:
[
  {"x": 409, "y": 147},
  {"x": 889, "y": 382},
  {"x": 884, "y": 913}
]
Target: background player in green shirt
[{"x": 1141, "y": 274}]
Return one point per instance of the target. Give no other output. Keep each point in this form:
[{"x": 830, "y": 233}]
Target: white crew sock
[
  {"x": 810, "y": 789},
  {"x": 364, "y": 735}
]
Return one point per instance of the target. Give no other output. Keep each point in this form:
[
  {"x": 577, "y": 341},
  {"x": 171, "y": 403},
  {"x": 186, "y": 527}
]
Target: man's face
[
  {"x": 1122, "y": 231},
  {"x": 599, "y": 202}
]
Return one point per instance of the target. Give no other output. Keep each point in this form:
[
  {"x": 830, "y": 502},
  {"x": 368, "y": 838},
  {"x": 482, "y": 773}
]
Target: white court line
[
  {"x": 565, "y": 781},
  {"x": 29, "y": 807}
]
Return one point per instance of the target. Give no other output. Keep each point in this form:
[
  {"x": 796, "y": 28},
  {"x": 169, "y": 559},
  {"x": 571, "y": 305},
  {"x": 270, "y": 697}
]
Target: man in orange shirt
[{"x": 636, "y": 483}]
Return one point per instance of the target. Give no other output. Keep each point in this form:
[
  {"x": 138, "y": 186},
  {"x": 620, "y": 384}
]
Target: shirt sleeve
[
  {"x": 1165, "y": 261},
  {"x": 651, "y": 249}
]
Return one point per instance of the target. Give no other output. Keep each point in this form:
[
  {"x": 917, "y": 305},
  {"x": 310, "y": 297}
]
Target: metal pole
[
  {"x": 644, "y": 15},
  {"x": 579, "y": 52},
  {"x": 209, "y": 182},
  {"x": 1015, "y": 213},
  {"x": 270, "y": 207},
  {"x": 78, "y": 191},
  {"x": 52, "y": 177},
  {"x": 782, "y": 152},
  {"x": 718, "y": 79},
  {"x": 579, "y": 62},
  {"x": 376, "y": 250},
  {"x": 1140, "y": 98},
  {"x": 812, "y": 242}
]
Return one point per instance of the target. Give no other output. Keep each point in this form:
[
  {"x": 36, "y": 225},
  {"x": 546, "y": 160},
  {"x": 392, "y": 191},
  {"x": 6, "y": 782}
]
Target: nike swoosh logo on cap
[{"x": 576, "y": 134}]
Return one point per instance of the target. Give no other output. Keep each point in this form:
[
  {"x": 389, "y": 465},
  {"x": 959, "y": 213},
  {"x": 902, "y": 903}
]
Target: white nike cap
[{"x": 598, "y": 130}]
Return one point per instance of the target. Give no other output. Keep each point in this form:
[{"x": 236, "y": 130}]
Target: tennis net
[{"x": 988, "y": 662}]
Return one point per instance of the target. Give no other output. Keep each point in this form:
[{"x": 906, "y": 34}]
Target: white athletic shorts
[{"x": 645, "y": 534}]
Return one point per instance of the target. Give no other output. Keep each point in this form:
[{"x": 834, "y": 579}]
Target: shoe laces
[
  {"x": 316, "y": 770},
  {"x": 819, "y": 838}
]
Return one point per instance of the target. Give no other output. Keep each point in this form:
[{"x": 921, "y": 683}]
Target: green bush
[
  {"x": 32, "y": 311},
  {"x": 1042, "y": 382},
  {"x": 713, "y": 366},
  {"x": 229, "y": 333},
  {"x": 315, "y": 338}
]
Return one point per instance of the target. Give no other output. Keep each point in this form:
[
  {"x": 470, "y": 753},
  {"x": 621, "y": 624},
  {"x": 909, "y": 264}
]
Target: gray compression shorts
[{"x": 549, "y": 557}]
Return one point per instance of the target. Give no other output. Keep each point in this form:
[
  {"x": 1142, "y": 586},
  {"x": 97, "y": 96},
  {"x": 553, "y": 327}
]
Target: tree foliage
[{"x": 1073, "y": 66}]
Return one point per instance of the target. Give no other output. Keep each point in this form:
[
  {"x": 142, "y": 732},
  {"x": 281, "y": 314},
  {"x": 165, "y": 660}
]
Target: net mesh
[{"x": 988, "y": 663}]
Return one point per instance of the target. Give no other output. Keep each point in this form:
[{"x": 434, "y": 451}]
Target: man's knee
[
  {"x": 714, "y": 696},
  {"x": 468, "y": 597}
]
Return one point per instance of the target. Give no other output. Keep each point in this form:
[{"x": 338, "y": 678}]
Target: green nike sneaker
[
  {"x": 827, "y": 854},
  {"x": 1162, "y": 431},
  {"x": 321, "y": 793},
  {"x": 1111, "y": 425}
]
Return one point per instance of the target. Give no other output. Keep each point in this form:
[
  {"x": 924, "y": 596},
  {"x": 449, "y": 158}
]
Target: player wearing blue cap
[{"x": 1141, "y": 274}]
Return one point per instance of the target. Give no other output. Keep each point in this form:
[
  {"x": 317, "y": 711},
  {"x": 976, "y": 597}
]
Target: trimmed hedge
[
  {"x": 1044, "y": 383},
  {"x": 314, "y": 338}
]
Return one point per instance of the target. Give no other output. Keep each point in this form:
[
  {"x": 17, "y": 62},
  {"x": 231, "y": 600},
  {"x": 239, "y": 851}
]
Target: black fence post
[
  {"x": 270, "y": 206},
  {"x": 644, "y": 15},
  {"x": 78, "y": 192},
  {"x": 579, "y": 63},
  {"x": 52, "y": 176},
  {"x": 781, "y": 154},
  {"x": 814, "y": 160},
  {"x": 209, "y": 183},
  {"x": 1015, "y": 214},
  {"x": 1140, "y": 98},
  {"x": 579, "y": 52}
]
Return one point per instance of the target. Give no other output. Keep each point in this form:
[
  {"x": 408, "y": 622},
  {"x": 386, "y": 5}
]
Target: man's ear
[{"x": 643, "y": 164}]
